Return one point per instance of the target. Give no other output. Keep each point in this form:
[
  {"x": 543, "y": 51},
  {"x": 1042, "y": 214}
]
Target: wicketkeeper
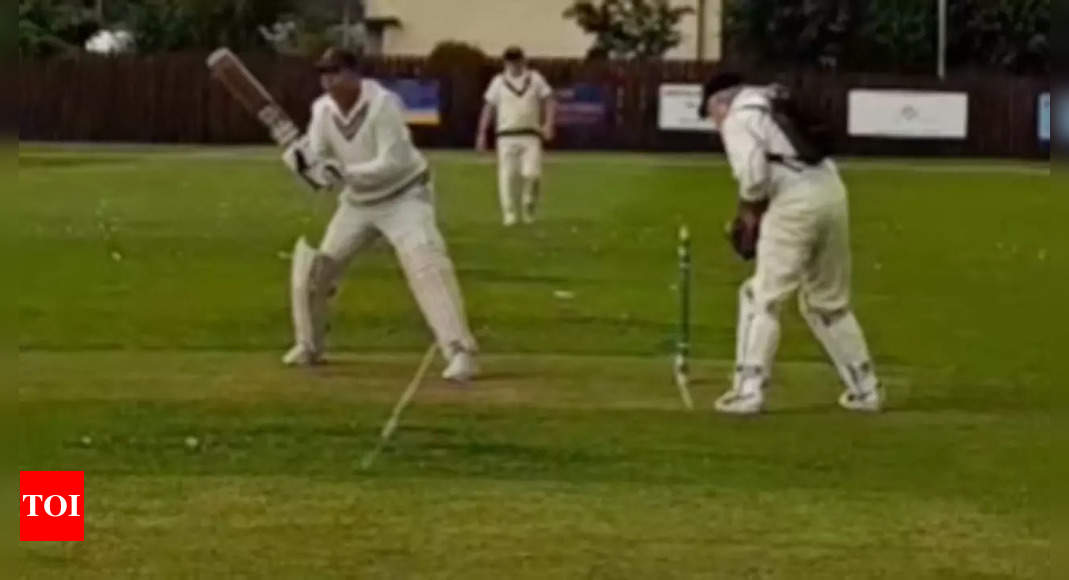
[
  {"x": 793, "y": 219},
  {"x": 358, "y": 141}
]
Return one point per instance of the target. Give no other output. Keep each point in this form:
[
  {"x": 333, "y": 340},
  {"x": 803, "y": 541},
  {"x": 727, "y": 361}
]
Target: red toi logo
[{"x": 51, "y": 506}]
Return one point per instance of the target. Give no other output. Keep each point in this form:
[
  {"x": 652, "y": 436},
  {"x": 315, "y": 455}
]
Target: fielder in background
[
  {"x": 522, "y": 101},
  {"x": 793, "y": 219},
  {"x": 358, "y": 140}
]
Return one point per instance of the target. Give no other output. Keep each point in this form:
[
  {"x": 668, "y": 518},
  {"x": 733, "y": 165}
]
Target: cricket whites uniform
[
  {"x": 804, "y": 246},
  {"x": 387, "y": 192},
  {"x": 518, "y": 102}
]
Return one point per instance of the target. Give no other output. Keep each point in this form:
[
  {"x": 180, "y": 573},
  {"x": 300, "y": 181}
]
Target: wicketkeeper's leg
[
  {"x": 781, "y": 253},
  {"x": 756, "y": 338},
  {"x": 840, "y": 334},
  {"x": 825, "y": 304}
]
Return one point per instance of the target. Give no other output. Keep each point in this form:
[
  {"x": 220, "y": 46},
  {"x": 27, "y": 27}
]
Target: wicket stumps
[{"x": 682, "y": 359}]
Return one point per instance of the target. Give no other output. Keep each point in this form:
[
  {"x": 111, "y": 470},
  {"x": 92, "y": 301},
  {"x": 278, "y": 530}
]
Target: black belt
[
  {"x": 793, "y": 163},
  {"x": 520, "y": 133}
]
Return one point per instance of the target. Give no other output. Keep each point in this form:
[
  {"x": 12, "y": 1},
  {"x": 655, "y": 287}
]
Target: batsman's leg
[
  {"x": 508, "y": 174},
  {"x": 825, "y": 304},
  {"x": 531, "y": 172},
  {"x": 412, "y": 229},
  {"x": 314, "y": 281},
  {"x": 308, "y": 297}
]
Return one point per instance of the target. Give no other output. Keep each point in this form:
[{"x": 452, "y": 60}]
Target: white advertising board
[
  {"x": 678, "y": 109},
  {"x": 908, "y": 114},
  {"x": 1044, "y": 118}
]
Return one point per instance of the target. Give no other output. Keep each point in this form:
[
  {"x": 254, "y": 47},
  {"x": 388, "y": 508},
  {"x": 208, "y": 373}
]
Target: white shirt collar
[{"x": 368, "y": 89}]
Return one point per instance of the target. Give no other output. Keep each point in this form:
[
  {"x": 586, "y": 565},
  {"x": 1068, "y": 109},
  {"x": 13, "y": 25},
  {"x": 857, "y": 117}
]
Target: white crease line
[{"x": 622, "y": 160}]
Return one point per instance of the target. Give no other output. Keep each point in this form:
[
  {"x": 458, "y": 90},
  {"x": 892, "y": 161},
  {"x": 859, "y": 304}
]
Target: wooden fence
[{"x": 171, "y": 99}]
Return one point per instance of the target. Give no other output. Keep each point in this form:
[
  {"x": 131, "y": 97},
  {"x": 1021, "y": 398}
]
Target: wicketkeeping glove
[
  {"x": 745, "y": 230},
  {"x": 743, "y": 237}
]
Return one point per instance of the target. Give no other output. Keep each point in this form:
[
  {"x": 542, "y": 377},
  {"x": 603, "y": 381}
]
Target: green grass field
[{"x": 151, "y": 307}]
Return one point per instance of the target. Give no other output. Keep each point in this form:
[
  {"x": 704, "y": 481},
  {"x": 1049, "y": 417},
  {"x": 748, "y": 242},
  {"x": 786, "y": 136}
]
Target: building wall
[{"x": 536, "y": 25}]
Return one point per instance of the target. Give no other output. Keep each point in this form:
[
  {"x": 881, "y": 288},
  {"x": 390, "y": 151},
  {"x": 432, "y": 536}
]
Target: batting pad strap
[
  {"x": 841, "y": 336},
  {"x": 760, "y": 341}
]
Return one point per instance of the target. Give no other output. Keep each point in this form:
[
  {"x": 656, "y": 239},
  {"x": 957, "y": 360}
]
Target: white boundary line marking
[{"x": 395, "y": 417}]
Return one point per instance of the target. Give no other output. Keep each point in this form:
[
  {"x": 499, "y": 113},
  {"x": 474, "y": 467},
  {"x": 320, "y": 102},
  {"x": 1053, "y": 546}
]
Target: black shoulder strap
[
  {"x": 760, "y": 108},
  {"x": 806, "y": 152}
]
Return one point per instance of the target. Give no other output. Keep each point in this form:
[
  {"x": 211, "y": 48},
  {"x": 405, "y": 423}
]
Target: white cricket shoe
[
  {"x": 510, "y": 220},
  {"x": 867, "y": 401},
  {"x": 462, "y": 368},
  {"x": 741, "y": 402},
  {"x": 300, "y": 356}
]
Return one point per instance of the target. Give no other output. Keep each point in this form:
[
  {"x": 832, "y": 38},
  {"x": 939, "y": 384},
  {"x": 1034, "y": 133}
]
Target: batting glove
[{"x": 314, "y": 171}]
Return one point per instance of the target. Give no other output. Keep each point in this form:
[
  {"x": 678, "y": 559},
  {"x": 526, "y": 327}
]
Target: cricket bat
[{"x": 228, "y": 69}]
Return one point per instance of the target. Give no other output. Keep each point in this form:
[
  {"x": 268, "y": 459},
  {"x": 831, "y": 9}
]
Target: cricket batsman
[
  {"x": 358, "y": 141},
  {"x": 793, "y": 219},
  {"x": 522, "y": 102}
]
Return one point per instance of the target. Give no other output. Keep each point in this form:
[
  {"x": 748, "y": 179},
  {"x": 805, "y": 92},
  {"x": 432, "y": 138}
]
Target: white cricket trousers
[
  {"x": 519, "y": 162},
  {"x": 804, "y": 246},
  {"x": 409, "y": 223}
]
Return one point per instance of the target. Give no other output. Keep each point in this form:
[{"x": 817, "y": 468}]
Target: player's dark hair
[
  {"x": 719, "y": 82},
  {"x": 514, "y": 54},
  {"x": 349, "y": 60},
  {"x": 337, "y": 59}
]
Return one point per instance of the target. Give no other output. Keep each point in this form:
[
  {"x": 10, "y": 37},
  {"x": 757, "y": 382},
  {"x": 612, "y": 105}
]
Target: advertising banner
[
  {"x": 582, "y": 105},
  {"x": 678, "y": 109},
  {"x": 421, "y": 99},
  {"x": 908, "y": 114},
  {"x": 1043, "y": 129}
]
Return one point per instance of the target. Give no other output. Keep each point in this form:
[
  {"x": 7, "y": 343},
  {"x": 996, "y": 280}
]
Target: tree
[
  {"x": 164, "y": 25},
  {"x": 47, "y": 27},
  {"x": 791, "y": 33},
  {"x": 894, "y": 35},
  {"x": 462, "y": 70},
  {"x": 1009, "y": 35},
  {"x": 889, "y": 35},
  {"x": 317, "y": 24},
  {"x": 629, "y": 29}
]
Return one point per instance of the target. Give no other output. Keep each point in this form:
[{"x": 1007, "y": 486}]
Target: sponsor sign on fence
[
  {"x": 678, "y": 110},
  {"x": 581, "y": 105},
  {"x": 1043, "y": 129},
  {"x": 908, "y": 114},
  {"x": 421, "y": 99}
]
